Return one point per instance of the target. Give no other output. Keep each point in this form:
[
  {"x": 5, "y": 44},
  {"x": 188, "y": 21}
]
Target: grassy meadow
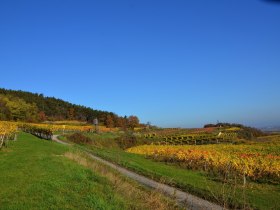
[{"x": 41, "y": 174}]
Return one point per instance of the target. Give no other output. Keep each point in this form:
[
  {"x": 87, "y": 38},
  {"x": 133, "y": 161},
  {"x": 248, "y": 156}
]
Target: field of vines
[
  {"x": 45, "y": 131},
  {"x": 255, "y": 161},
  {"x": 71, "y": 128},
  {"x": 60, "y": 127},
  {"x": 181, "y": 131},
  {"x": 7, "y": 132},
  {"x": 192, "y": 136}
]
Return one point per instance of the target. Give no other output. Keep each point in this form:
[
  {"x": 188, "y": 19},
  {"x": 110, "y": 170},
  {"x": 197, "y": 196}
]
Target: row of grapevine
[
  {"x": 7, "y": 132},
  {"x": 43, "y": 133}
]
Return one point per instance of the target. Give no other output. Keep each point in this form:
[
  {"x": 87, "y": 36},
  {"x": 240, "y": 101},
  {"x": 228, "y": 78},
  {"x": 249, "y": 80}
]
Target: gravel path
[{"x": 187, "y": 200}]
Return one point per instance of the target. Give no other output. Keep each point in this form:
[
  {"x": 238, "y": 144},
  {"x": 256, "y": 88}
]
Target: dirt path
[{"x": 187, "y": 200}]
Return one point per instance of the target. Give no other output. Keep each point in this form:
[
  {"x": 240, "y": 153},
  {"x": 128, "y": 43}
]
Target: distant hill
[
  {"x": 271, "y": 129},
  {"x": 244, "y": 132},
  {"x": 20, "y": 105}
]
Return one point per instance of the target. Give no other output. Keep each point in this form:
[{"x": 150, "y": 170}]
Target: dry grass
[{"x": 137, "y": 196}]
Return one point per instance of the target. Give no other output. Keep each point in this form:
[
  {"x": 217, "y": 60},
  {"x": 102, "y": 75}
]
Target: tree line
[{"x": 17, "y": 105}]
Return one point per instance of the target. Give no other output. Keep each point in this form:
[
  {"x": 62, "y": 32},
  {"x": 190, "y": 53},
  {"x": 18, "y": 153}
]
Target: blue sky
[{"x": 176, "y": 63}]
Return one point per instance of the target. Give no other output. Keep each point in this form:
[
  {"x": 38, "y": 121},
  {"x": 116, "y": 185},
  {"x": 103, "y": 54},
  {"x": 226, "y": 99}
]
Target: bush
[
  {"x": 79, "y": 138},
  {"x": 130, "y": 140}
]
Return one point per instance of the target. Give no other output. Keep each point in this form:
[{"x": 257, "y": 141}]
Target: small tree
[
  {"x": 133, "y": 122},
  {"x": 109, "y": 122},
  {"x": 71, "y": 113},
  {"x": 42, "y": 116}
]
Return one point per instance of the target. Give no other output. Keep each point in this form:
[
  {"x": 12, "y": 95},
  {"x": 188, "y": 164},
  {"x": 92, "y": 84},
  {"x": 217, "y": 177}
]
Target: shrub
[
  {"x": 130, "y": 140},
  {"x": 79, "y": 138}
]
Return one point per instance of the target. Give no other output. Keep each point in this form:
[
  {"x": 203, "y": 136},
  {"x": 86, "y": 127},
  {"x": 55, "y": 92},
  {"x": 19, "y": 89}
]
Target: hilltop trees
[
  {"x": 26, "y": 106},
  {"x": 125, "y": 122}
]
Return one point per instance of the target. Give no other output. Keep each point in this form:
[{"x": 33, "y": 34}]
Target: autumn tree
[
  {"x": 42, "y": 116},
  {"x": 133, "y": 122},
  {"x": 71, "y": 113},
  {"x": 17, "y": 109},
  {"x": 4, "y": 111},
  {"x": 121, "y": 123},
  {"x": 109, "y": 122}
]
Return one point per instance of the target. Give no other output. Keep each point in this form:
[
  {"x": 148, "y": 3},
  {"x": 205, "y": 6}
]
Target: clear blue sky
[{"x": 176, "y": 63}]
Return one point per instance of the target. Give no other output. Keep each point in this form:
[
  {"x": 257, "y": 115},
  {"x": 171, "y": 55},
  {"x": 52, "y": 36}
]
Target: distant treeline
[
  {"x": 17, "y": 105},
  {"x": 245, "y": 131}
]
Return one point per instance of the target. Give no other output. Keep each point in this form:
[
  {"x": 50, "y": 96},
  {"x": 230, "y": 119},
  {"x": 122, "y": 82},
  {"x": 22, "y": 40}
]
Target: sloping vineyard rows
[
  {"x": 181, "y": 131},
  {"x": 192, "y": 138}
]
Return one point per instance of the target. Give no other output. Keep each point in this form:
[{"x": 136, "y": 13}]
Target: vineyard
[
  {"x": 72, "y": 128},
  {"x": 181, "y": 131},
  {"x": 44, "y": 131},
  {"x": 7, "y": 132},
  {"x": 192, "y": 136},
  {"x": 254, "y": 161}
]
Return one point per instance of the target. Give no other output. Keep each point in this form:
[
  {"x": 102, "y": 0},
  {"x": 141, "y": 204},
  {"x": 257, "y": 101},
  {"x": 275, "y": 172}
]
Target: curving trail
[{"x": 183, "y": 198}]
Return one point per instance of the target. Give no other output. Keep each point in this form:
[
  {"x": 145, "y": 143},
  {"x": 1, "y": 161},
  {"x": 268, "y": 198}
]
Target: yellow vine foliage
[
  {"x": 68, "y": 128},
  {"x": 7, "y": 130},
  {"x": 256, "y": 161}
]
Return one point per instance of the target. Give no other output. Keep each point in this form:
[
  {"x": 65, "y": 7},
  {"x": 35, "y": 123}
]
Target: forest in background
[{"x": 17, "y": 105}]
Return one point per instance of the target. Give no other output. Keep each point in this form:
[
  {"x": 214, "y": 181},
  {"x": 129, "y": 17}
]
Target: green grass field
[{"x": 40, "y": 174}]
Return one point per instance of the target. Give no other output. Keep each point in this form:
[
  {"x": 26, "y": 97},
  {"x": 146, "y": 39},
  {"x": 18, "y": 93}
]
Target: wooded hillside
[{"x": 17, "y": 105}]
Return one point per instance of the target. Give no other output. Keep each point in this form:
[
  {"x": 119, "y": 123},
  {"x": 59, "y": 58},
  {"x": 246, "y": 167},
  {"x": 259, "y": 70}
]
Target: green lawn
[
  {"x": 105, "y": 140},
  {"x": 257, "y": 196},
  {"x": 35, "y": 174},
  {"x": 102, "y": 140}
]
